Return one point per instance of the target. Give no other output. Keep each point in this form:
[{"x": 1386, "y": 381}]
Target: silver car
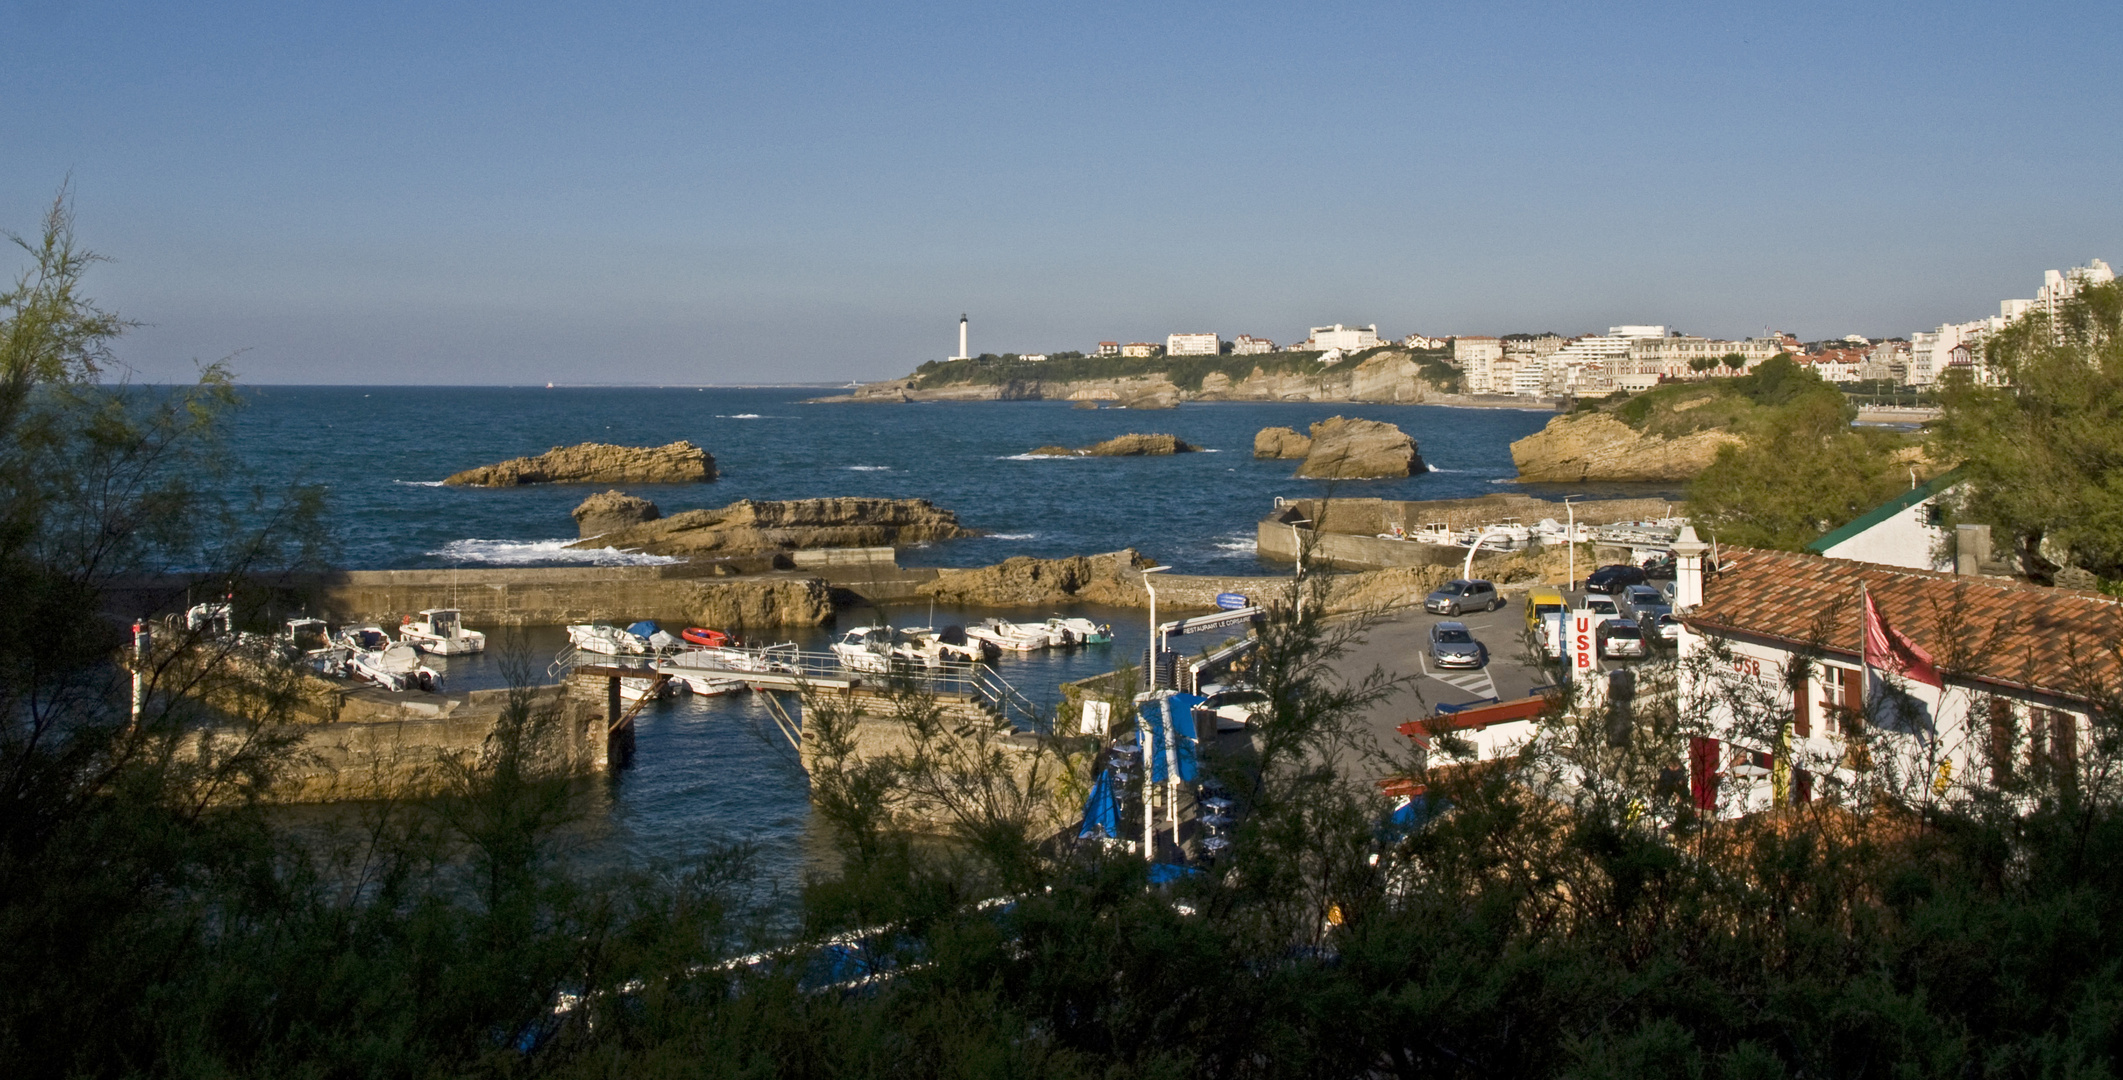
[
  {"x": 1462, "y": 595},
  {"x": 1451, "y": 645},
  {"x": 1634, "y": 597},
  {"x": 1620, "y": 639}
]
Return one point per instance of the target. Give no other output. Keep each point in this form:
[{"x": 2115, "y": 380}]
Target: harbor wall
[{"x": 556, "y": 596}]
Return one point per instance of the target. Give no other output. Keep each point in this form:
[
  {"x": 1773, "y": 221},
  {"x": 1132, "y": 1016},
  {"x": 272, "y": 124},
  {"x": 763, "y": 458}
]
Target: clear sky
[{"x": 689, "y": 192}]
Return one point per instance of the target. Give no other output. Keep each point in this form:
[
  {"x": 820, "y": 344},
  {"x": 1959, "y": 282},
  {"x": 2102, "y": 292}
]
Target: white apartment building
[
  {"x": 1597, "y": 363},
  {"x": 1474, "y": 355},
  {"x": 1193, "y": 345},
  {"x": 1140, "y": 350},
  {"x": 1932, "y": 354},
  {"x": 1109, "y": 348},
  {"x": 1248, "y": 345},
  {"x": 1530, "y": 380},
  {"x": 1346, "y": 338}
]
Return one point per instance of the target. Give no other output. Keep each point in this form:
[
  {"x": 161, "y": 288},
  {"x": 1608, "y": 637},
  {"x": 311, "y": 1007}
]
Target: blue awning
[{"x": 1177, "y": 712}]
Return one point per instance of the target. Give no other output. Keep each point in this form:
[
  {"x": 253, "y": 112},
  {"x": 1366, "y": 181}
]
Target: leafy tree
[
  {"x": 2041, "y": 437},
  {"x": 1733, "y": 361},
  {"x": 1703, "y": 363}
]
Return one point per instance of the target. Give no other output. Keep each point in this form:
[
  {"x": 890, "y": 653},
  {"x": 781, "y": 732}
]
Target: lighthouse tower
[{"x": 961, "y": 340}]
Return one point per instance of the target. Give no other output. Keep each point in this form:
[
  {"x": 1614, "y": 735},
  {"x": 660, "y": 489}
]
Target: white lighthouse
[{"x": 961, "y": 340}]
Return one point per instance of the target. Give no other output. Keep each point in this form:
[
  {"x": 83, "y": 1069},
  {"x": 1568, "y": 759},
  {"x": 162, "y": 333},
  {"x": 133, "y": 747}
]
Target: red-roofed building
[{"x": 2020, "y": 667}]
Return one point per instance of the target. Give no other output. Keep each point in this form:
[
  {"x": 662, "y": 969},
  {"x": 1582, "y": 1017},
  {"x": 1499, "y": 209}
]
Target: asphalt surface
[{"x": 1400, "y": 646}]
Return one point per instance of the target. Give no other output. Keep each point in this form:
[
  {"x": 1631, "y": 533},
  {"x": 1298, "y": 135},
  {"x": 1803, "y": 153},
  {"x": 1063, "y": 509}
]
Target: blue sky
[{"x": 622, "y": 192}]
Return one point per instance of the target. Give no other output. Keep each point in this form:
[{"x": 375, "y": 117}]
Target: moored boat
[
  {"x": 866, "y": 649},
  {"x": 441, "y": 632},
  {"x": 1010, "y": 636},
  {"x": 704, "y": 637},
  {"x": 1073, "y": 630},
  {"x": 606, "y": 640}
]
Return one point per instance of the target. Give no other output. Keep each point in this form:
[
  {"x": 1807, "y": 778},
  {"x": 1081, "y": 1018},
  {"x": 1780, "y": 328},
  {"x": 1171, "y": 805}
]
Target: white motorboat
[
  {"x": 607, "y": 640},
  {"x": 928, "y": 647},
  {"x": 1437, "y": 532},
  {"x": 1073, "y": 630},
  {"x": 395, "y": 667},
  {"x": 865, "y": 648},
  {"x": 441, "y": 632},
  {"x": 1010, "y": 636},
  {"x": 307, "y": 643},
  {"x": 704, "y": 684}
]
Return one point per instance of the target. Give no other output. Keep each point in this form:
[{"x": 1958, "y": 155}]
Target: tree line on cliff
[{"x": 159, "y": 918}]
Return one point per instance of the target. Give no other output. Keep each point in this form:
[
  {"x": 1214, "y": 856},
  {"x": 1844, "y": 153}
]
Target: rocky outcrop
[
  {"x": 1282, "y": 444},
  {"x": 1125, "y": 446},
  {"x": 1353, "y": 449},
  {"x": 597, "y": 463},
  {"x": 1156, "y": 396},
  {"x": 1111, "y": 578},
  {"x": 611, "y": 511},
  {"x": 750, "y": 527},
  {"x": 1596, "y": 446}
]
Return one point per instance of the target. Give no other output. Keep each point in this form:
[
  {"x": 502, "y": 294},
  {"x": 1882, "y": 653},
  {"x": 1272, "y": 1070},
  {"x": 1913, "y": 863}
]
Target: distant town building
[
  {"x": 1193, "y": 345},
  {"x": 1960, "y": 345},
  {"x": 1418, "y": 341},
  {"x": 1837, "y": 365},
  {"x": 1345, "y": 338},
  {"x": 1600, "y": 363},
  {"x": 1679, "y": 356},
  {"x": 1474, "y": 355},
  {"x": 1034, "y": 357},
  {"x": 1109, "y": 348},
  {"x": 1248, "y": 345},
  {"x": 1886, "y": 361},
  {"x": 1140, "y": 350}
]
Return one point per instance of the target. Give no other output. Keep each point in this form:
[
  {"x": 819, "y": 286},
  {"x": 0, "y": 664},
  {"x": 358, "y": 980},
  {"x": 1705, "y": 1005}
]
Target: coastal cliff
[
  {"x": 1596, "y": 446},
  {"x": 596, "y": 463},
  {"x": 1385, "y": 375},
  {"x": 750, "y": 527}
]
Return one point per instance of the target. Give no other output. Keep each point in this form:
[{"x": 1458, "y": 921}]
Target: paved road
[{"x": 1399, "y": 645}]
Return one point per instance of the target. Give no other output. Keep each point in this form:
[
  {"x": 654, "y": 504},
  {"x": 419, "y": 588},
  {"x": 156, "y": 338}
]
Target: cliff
[
  {"x": 596, "y": 463},
  {"x": 1597, "y": 446},
  {"x": 749, "y": 527},
  {"x": 1380, "y": 375}
]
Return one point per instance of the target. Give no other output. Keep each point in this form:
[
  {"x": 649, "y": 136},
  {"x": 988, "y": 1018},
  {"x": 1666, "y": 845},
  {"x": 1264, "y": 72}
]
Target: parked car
[
  {"x": 1453, "y": 645},
  {"x": 1603, "y": 608},
  {"x": 1460, "y": 595},
  {"x": 1668, "y": 629},
  {"x": 1633, "y": 597},
  {"x": 1540, "y": 603},
  {"x": 1659, "y": 569},
  {"x": 1612, "y": 578},
  {"x": 1620, "y": 639},
  {"x": 1233, "y": 707}
]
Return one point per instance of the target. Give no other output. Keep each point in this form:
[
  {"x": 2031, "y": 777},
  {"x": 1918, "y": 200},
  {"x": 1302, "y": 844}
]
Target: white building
[
  {"x": 1140, "y": 350},
  {"x": 1904, "y": 531},
  {"x": 1193, "y": 345},
  {"x": 1248, "y": 345},
  {"x": 1933, "y": 354},
  {"x": 1109, "y": 348},
  {"x": 1346, "y": 338},
  {"x": 1418, "y": 341},
  {"x": 1474, "y": 355},
  {"x": 1597, "y": 363}
]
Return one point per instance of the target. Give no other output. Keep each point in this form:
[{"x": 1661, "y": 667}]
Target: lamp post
[
  {"x": 1297, "y": 550},
  {"x": 1570, "y": 538},
  {"x": 1155, "y": 652}
]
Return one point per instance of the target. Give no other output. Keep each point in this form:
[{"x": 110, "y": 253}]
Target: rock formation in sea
[
  {"x": 597, "y": 463},
  {"x": 1597, "y": 446},
  {"x": 611, "y": 511},
  {"x": 1281, "y": 443},
  {"x": 750, "y": 527},
  {"x": 1353, "y": 449},
  {"x": 1125, "y": 446},
  {"x": 1155, "y": 396},
  {"x": 1111, "y": 578}
]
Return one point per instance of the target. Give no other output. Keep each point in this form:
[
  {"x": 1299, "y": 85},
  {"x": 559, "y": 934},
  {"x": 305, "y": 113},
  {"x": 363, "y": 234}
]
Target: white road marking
[{"x": 1476, "y": 682}]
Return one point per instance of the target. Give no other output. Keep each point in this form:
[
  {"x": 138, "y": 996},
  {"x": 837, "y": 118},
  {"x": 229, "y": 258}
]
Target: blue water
[
  {"x": 382, "y": 451},
  {"x": 715, "y": 770}
]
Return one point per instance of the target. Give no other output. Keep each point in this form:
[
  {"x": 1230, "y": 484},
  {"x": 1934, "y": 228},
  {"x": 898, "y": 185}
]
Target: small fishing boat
[
  {"x": 705, "y": 685},
  {"x": 1437, "y": 532},
  {"x": 703, "y": 637},
  {"x": 306, "y": 642},
  {"x": 655, "y": 637},
  {"x": 441, "y": 632},
  {"x": 606, "y": 640},
  {"x": 950, "y": 644},
  {"x": 395, "y": 667},
  {"x": 1010, "y": 636},
  {"x": 1072, "y": 630},
  {"x": 866, "y": 649},
  {"x": 651, "y": 689}
]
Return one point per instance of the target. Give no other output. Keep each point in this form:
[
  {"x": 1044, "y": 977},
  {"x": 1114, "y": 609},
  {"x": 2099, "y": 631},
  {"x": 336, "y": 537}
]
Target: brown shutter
[{"x": 1801, "y": 711}]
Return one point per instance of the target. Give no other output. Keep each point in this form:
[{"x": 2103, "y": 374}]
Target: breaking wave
[
  {"x": 419, "y": 483},
  {"x": 869, "y": 468},
  {"x": 539, "y": 552},
  {"x": 1012, "y": 536}
]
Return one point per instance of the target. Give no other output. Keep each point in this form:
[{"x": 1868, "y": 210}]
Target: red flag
[{"x": 1888, "y": 649}]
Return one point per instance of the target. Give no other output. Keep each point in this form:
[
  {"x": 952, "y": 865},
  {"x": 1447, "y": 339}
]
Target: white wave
[
  {"x": 1208, "y": 450},
  {"x": 1044, "y": 457},
  {"x": 419, "y": 483},
  {"x": 529, "y": 552},
  {"x": 869, "y": 468},
  {"x": 1434, "y": 468},
  {"x": 1012, "y": 536},
  {"x": 739, "y": 416},
  {"x": 1239, "y": 545}
]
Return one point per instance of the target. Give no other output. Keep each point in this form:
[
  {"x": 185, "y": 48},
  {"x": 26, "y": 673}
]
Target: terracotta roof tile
[{"x": 2058, "y": 641}]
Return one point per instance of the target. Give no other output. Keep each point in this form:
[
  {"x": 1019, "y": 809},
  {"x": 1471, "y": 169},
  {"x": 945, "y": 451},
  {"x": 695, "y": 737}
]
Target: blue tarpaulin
[
  {"x": 1180, "y": 707},
  {"x": 644, "y": 628},
  {"x": 1102, "y": 809},
  {"x": 1165, "y": 873},
  {"x": 1410, "y": 816}
]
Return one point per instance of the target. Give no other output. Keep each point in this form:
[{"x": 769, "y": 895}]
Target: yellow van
[{"x": 1540, "y": 602}]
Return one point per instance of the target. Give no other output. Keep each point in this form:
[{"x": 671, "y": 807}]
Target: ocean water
[
  {"x": 715, "y": 770},
  {"x": 382, "y": 453}
]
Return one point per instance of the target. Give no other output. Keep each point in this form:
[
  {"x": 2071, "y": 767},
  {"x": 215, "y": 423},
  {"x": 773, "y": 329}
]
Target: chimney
[{"x": 1688, "y": 569}]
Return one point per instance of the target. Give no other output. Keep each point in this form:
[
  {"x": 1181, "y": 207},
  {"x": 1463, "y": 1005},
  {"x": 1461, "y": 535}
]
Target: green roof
[{"x": 1887, "y": 510}]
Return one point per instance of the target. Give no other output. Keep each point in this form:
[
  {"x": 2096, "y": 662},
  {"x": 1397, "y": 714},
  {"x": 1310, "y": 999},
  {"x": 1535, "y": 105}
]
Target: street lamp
[
  {"x": 1570, "y": 537},
  {"x": 1155, "y": 653},
  {"x": 1297, "y": 550}
]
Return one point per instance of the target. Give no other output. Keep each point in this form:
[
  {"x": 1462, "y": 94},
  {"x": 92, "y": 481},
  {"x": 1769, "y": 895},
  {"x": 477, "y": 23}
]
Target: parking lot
[{"x": 1400, "y": 645}]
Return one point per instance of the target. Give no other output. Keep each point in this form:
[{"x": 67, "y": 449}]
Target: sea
[{"x": 715, "y": 771}]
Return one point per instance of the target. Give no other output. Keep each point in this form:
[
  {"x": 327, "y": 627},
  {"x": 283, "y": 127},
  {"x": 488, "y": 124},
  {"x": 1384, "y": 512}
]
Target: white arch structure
[{"x": 1467, "y": 570}]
